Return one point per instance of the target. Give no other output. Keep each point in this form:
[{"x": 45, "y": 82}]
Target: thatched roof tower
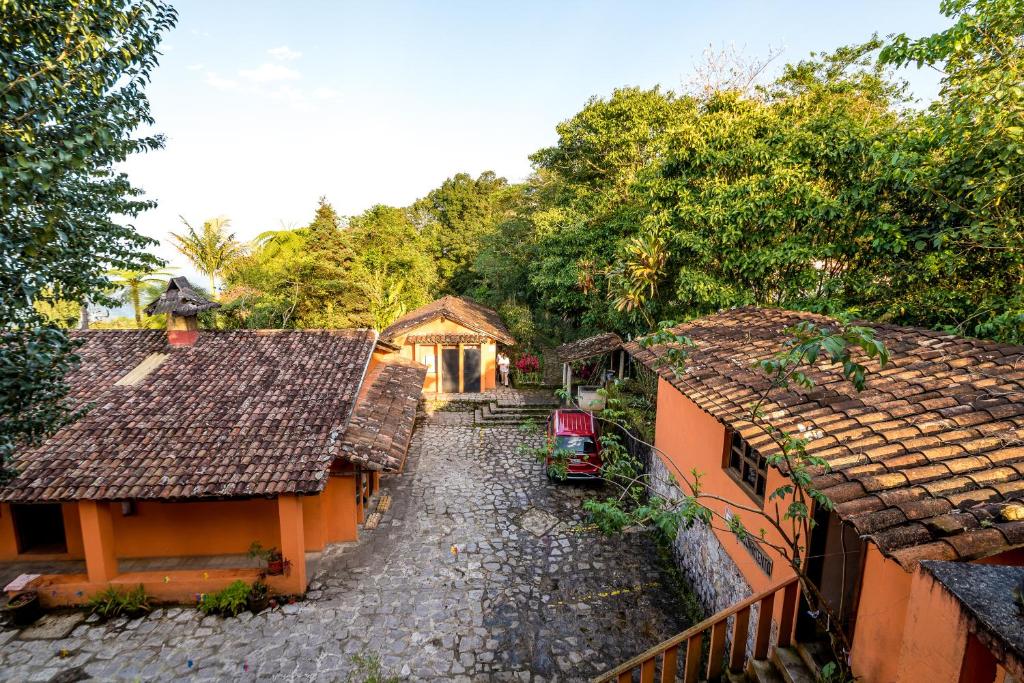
[{"x": 182, "y": 304}]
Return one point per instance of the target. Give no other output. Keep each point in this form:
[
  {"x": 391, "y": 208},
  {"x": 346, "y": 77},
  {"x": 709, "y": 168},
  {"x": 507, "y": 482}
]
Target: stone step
[
  {"x": 482, "y": 417},
  {"x": 763, "y": 671},
  {"x": 530, "y": 407},
  {"x": 501, "y": 412},
  {"x": 791, "y": 666},
  {"x": 815, "y": 655}
]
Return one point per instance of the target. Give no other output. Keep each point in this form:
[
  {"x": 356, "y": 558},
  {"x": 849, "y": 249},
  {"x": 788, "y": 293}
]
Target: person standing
[{"x": 503, "y": 364}]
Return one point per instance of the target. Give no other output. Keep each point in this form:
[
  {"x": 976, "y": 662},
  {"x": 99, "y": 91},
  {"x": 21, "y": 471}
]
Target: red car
[{"x": 575, "y": 430}]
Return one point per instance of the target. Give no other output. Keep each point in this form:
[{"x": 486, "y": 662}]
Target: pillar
[
  {"x": 98, "y": 540},
  {"x": 293, "y": 540}
]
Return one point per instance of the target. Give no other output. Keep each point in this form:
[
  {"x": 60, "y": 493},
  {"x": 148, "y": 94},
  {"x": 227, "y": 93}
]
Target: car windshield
[{"x": 580, "y": 444}]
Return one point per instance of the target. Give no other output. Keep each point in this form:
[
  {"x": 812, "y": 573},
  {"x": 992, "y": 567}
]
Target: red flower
[{"x": 528, "y": 363}]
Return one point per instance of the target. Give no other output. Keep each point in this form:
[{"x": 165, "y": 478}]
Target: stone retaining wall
[{"x": 707, "y": 567}]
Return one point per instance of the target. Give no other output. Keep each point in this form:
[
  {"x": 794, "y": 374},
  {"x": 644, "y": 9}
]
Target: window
[
  {"x": 747, "y": 466},
  {"x": 579, "y": 444}
]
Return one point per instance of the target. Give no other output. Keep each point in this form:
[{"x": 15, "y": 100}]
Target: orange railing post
[{"x": 693, "y": 637}]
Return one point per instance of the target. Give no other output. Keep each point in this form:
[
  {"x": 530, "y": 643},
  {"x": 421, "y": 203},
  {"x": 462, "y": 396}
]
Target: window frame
[{"x": 737, "y": 450}]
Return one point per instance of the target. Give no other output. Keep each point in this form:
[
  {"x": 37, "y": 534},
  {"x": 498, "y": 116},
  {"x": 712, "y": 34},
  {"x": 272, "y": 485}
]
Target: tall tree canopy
[
  {"x": 455, "y": 219},
  {"x": 72, "y": 79}
]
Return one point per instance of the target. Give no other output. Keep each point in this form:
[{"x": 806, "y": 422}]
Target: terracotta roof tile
[
  {"x": 941, "y": 426},
  {"x": 213, "y": 420},
  {"x": 380, "y": 431},
  {"x": 588, "y": 347},
  {"x": 466, "y": 312}
]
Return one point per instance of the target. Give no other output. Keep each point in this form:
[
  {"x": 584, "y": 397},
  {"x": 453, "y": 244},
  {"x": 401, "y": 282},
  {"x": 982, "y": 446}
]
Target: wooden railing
[{"x": 691, "y": 641}]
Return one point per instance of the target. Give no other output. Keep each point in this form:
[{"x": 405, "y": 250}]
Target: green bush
[
  {"x": 229, "y": 602},
  {"x": 113, "y": 603}
]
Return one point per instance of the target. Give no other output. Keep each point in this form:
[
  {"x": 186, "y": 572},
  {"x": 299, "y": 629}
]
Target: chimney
[{"x": 182, "y": 304}]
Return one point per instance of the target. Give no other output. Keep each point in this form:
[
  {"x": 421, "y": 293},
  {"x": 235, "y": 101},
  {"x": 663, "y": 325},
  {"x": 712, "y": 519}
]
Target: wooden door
[
  {"x": 450, "y": 369},
  {"x": 471, "y": 369}
]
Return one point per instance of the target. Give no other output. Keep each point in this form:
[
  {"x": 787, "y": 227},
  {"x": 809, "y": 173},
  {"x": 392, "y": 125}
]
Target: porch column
[
  {"x": 462, "y": 386},
  {"x": 293, "y": 539},
  {"x": 622, "y": 364},
  {"x": 98, "y": 540}
]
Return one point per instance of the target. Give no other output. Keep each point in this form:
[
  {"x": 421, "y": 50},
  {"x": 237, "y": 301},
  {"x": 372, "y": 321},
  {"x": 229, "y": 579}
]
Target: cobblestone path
[{"x": 532, "y": 593}]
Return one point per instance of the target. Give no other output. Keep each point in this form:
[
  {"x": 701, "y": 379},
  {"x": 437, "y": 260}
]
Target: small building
[
  {"x": 925, "y": 464},
  {"x": 456, "y": 339},
  {"x": 199, "y": 443},
  {"x": 604, "y": 358}
]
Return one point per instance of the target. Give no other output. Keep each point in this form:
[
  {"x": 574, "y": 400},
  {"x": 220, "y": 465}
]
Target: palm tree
[
  {"x": 210, "y": 250},
  {"x": 132, "y": 283}
]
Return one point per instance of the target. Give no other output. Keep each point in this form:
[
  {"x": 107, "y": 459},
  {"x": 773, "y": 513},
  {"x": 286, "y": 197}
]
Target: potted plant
[
  {"x": 259, "y": 597},
  {"x": 24, "y": 608},
  {"x": 276, "y": 564}
]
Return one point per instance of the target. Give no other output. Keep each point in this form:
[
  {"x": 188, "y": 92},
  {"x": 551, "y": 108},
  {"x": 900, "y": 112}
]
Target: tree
[
  {"x": 387, "y": 242},
  {"x": 210, "y": 250},
  {"x": 962, "y": 168},
  {"x": 132, "y": 282},
  {"x": 456, "y": 218},
  {"x": 384, "y": 297},
  {"x": 72, "y": 78}
]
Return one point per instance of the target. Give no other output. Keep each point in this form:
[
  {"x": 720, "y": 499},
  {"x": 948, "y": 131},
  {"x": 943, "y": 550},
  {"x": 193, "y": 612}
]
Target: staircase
[
  {"x": 507, "y": 413},
  {"x": 682, "y": 657}
]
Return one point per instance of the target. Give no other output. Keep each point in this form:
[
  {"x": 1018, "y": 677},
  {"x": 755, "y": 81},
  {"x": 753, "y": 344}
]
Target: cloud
[
  {"x": 269, "y": 73},
  {"x": 325, "y": 93},
  {"x": 198, "y": 66},
  {"x": 213, "y": 80},
  {"x": 284, "y": 53}
]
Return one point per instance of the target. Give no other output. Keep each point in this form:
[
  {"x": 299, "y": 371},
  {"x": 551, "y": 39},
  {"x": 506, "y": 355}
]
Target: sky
[{"x": 266, "y": 106}]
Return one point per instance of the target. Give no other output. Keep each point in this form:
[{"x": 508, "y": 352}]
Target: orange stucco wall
[
  {"x": 432, "y": 382},
  {"x": 200, "y": 528},
  {"x": 881, "y": 614},
  {"x": 934, "y": 635},
  {"x": 205, "y": 528},
  {"x": 692, "y": 439}
]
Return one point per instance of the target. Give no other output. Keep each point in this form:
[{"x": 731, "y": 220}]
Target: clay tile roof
[
  {"x": 381, "y": 428},
  {"x": 458, "y": 309},
  {"x": 236, "y": 414},
  {"x": 179, "y": 298},
  {"x": 447, "y": 338},
  {"x": 589, "y": 347},
  {"x": 940, "y": 429}
]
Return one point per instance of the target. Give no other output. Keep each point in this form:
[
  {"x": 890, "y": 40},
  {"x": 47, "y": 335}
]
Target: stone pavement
[{"x": 528, "y": 593}]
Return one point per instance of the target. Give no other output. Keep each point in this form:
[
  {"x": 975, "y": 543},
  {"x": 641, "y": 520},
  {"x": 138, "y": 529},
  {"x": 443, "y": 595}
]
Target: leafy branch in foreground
[
  {"x": 785, "y": 521},
  {"x": 73, "y": 98}
]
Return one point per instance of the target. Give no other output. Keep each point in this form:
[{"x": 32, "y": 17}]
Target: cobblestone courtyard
[{"x": 531, "y": 594}]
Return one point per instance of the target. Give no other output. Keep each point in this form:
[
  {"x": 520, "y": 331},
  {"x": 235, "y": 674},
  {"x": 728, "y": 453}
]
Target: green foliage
[
  {"x": 519, "y": 321},
  {"x": 110, "y": 602},
  {"x": 211, "y": 250},
  {"x": 368, "y": 669},
  {"x": 132, "y": 284},
  {"x": 364, "y": 272},
  {"x": 962, "y": 169},
  {"x": 72, "y": 93},
  {"x": 455, "y": 220},
  {"x": 228, "y": 602}
]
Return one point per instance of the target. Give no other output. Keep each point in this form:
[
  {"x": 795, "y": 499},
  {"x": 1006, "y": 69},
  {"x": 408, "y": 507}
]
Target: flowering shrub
[{"x": 528, "y": 363}]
